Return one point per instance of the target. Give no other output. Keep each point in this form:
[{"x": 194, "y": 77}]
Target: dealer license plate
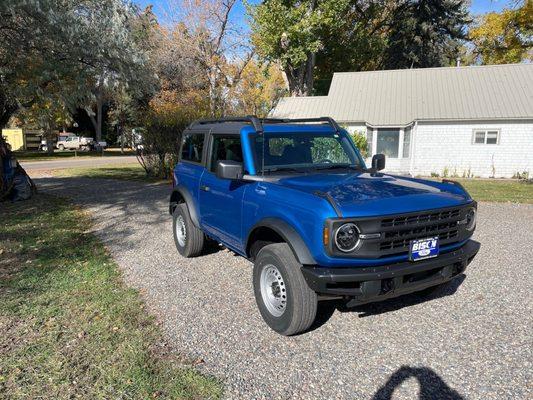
[{"x": 424, "y": 248}]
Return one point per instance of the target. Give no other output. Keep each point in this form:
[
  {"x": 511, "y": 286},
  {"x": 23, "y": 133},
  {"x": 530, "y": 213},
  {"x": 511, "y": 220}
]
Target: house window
[
  {"x": 388, "y": 141},
  {"x": 406, "y": 143},
  {"x": 369, "y": 139},
  {"x": 486, "y": 137}
]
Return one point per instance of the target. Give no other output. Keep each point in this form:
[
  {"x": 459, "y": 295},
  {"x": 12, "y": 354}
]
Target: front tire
[
  {"x": 285, "y": 301},
  {"x": 189, "y": 240}
]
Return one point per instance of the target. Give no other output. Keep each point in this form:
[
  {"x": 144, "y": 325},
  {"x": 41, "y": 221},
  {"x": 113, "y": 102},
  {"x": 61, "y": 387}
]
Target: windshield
[{"x": 305, "y": 151}]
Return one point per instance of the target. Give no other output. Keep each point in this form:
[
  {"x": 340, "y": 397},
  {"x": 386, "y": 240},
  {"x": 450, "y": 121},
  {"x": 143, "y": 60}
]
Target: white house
[{"x": 459, "y": 121}]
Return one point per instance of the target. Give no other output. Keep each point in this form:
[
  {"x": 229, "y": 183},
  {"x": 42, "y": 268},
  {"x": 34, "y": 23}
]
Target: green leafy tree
[
  {"x": 504, "y": 37},
  {"x": 313, "y": 39},
  {"x": 82, "y": 47},
  {"x": 291, "y": 33}
]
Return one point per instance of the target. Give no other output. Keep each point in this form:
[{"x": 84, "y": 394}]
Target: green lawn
[
  {"x": 128, "y": 172},
  {"x": 61, "y": 155},
  {"x": 499, "y": 190},
  {"x": 69, "y": 328}
]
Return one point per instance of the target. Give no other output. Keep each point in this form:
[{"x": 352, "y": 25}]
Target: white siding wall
[{"x": 438, "y": 146}]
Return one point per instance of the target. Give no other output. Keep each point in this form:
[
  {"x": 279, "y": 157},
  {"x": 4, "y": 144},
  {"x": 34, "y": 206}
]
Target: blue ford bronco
[{"x": 296, "y": 198}]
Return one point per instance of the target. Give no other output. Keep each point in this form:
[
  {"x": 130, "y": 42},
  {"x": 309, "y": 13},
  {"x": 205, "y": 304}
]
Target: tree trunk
[
  {"x": 301, "y": 79},
  {"x": 99, "y": 117},
  {"x": 96, "y": 116},
  {"x": 49, "y": 136},
  {"x": 213, "y": 92},
  {"x": 121, "y": 136}
]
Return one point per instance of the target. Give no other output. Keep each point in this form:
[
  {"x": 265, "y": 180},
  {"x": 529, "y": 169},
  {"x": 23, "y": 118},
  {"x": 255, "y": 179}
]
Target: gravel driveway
[{"x": 472, "y": 341}]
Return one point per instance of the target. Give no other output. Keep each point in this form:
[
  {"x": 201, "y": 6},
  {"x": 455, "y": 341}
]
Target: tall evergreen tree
[{"x": 425, "y": 33}]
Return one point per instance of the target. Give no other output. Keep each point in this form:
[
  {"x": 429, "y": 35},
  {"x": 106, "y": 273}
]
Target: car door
[
  {"x": 69, "y": 144},
  {"x": 221, "y": 199}
]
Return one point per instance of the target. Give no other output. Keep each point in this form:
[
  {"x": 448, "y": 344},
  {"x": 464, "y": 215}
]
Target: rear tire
[
  {"x": 188, "y": 238},
  {"x": 61, "y": 147},
  {"x": 285, "y": 301}
]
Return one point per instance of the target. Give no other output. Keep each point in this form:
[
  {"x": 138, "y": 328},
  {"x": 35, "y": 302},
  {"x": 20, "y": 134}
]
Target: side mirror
[
  {"x": 378, "y": 162},
  {"x": 227, "y": 169}
]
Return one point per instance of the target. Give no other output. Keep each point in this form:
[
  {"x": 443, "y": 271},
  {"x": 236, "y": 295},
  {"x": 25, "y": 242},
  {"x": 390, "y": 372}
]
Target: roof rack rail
[
  {"x": 257, "y": 123},
  {"x": 329, "y": 120}
]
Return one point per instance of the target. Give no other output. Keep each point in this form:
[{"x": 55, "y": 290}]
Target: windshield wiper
[
  {"x": 283, "y": 169},
  {"x": 342, "y": 166}
]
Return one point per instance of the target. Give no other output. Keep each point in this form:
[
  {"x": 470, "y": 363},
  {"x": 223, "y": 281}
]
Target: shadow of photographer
[{"x": 432, "y": 387}]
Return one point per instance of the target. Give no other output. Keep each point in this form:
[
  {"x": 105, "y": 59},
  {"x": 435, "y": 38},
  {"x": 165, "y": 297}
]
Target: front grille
[
  {"x": 398, "y": 231},
  {"x": 430, "y": 232},
  {"x": 419, "y": 219}
]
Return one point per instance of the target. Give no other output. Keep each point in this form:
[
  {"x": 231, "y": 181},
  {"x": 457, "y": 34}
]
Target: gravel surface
[{"x": 472, "y": 340}]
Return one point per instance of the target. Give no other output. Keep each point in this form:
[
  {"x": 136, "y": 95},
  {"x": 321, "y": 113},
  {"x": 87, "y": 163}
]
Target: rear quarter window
[{"x": 192, "y": 147}]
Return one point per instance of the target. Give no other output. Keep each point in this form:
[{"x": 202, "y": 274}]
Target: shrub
[
  {"x": 164, "y": 120},
  {"x": 360, "y": 141}
]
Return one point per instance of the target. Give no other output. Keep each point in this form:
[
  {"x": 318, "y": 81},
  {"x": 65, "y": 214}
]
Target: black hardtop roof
[{"x": 234, "y": 124}]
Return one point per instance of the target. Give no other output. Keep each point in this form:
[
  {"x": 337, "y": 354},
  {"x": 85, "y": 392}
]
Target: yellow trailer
[{"x": 15, "y": 137}]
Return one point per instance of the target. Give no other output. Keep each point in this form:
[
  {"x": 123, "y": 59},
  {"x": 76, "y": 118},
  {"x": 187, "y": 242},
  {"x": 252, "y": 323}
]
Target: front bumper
[{"x": 369, "y": 284}]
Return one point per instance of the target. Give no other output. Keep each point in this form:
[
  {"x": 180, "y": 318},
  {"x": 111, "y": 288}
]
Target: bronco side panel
[{"x": 299, "y": 210}]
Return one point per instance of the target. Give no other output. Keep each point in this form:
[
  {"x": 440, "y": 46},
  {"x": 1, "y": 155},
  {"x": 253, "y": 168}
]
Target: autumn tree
[
  {"x": 504, "y": 37},
  {"x": 259, "y": 89},
  {"x": 215, "y": 43},
  {"x": 48, "y": 113}
]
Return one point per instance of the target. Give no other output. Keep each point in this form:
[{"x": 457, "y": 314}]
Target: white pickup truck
[{"x": 76, "y": 143}]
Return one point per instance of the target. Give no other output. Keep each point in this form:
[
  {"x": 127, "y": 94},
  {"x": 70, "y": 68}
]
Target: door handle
[{"x": 204, "y": 188}]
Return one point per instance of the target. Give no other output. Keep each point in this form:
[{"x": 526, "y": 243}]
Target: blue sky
[
  {"x": 476, "y": 7},
  {"x": 484, "y": 6}
]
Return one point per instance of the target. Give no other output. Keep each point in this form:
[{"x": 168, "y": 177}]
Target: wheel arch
[
  {"x": 179, "y": 195},
  {"x": 277, "y": 231}
]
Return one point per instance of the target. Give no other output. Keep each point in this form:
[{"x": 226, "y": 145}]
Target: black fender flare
[
  {"x": 181, "y": 192},
  {"x": 289, "y": 235}
]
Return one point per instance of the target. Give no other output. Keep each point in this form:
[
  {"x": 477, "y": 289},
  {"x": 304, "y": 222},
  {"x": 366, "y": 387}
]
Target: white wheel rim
[
  {"x": 181, "y": 232},
  {"x": 273, "y": 290}
]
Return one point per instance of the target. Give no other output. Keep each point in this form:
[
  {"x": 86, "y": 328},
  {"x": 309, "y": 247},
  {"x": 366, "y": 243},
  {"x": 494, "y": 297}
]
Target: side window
[
  {"x": 486, "y": 137},
  {"x": 193, "y": 145},
  {"x": 225, "y": 148}
]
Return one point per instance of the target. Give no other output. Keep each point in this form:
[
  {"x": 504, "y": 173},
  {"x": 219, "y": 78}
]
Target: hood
[{"x": 365, "y": 194}]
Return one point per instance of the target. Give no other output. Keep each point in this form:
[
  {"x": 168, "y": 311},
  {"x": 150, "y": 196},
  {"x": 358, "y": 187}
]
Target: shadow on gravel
[
  {"x": 327, "y": 308},
  {"x": 432, "y": 387},
  {"x": 407, "y": 300}
]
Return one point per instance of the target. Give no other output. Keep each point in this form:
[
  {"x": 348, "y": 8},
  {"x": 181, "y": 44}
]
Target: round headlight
[
  {"x": 470, "y": 219},
  {"x": 347, "y": 237}
]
